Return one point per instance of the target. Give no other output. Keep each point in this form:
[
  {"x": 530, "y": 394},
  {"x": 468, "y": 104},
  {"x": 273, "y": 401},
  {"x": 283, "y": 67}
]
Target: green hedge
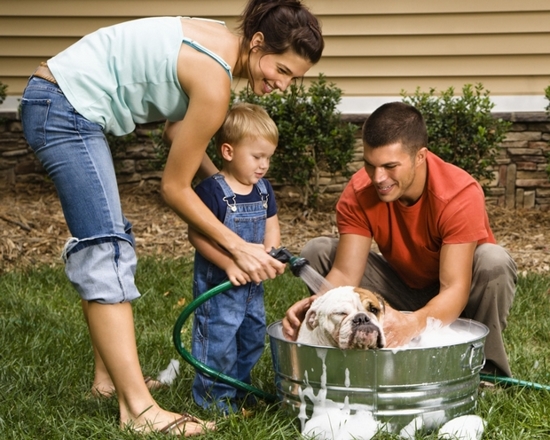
[
  {"x": 312, "y": 136},
  {"x": 461, "y": 129}
]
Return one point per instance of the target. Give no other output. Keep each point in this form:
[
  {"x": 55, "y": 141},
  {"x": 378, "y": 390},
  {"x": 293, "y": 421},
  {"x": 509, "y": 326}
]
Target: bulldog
[{"x": 345, "y": 317}]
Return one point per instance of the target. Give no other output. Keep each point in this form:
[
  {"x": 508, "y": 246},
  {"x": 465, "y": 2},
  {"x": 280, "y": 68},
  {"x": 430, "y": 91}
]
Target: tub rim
[{"x": 273, "y": 331}]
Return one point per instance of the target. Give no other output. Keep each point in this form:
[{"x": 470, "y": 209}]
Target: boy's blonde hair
[{"x": 246, "y": 120}]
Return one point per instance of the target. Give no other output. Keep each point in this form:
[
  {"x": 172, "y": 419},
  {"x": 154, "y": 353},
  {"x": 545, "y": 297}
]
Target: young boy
[{"x": 229, "y": 328}]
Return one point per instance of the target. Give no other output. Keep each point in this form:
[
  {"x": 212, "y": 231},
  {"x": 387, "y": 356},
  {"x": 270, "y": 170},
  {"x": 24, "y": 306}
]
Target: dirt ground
[{"x": 33, "y": 230}]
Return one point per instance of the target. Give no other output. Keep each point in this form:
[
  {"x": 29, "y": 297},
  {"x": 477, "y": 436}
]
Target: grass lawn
[{"x": 46, "y": 361}]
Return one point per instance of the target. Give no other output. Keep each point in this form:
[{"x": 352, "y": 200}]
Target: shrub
[
  {"x": 461, "y": 129},
  {"x": 312, "y": 136},
  {"x": 547, "y": 94},
  {"x": 3, "y": 89},
  {"x": 118, "y": 144}
]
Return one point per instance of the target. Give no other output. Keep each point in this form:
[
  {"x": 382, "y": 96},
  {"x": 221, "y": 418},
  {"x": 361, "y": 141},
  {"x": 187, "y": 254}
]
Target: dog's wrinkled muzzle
[{"x": 365, "y": 333}]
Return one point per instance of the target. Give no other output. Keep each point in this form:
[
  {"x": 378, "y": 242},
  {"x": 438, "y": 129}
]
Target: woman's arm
[
  {"x": 206, "y": 111},
  {"x": 206, "y": 168},
  {"x": 218, "y": 256}
]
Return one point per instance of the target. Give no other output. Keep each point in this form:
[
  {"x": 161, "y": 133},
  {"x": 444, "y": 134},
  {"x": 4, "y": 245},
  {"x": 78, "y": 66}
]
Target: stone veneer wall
[{"x": 520, "y": 178}]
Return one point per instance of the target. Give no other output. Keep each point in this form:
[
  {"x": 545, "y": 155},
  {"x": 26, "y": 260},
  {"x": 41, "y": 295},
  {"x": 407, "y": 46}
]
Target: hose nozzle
[{"x": 284, "y": 256}]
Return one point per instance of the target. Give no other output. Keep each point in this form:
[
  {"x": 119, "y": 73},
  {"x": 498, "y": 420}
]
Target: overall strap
[
  {"x": 264, "y": 195},
  {"x": 261, "y": 187},
  {"x": 227, "y": 191}
]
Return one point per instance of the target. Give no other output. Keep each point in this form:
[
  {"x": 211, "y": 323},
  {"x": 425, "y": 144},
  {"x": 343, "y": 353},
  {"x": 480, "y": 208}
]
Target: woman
[{"x": 172, "y": 68}]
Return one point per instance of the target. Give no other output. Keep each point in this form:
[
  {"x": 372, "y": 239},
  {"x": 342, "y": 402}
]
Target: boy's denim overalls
[{"x": 229, "y": 329}]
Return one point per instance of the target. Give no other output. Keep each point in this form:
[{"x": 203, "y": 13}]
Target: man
[{"x": 438, "y": 254}]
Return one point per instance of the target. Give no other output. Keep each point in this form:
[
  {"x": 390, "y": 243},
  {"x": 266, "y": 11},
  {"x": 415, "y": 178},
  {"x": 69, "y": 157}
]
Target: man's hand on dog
[
  {"x": 294, "y": 317},
  {"x": 400, "y": 328}
]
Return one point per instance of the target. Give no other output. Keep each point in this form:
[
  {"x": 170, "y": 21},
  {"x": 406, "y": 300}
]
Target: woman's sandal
[
  {"x": 154, "y": 384},
  {"x": 183, "y": 420}
]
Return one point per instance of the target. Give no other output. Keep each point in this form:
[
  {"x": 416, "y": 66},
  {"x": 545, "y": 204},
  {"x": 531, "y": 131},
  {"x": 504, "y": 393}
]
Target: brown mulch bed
[{"x": 33, "y": 230}]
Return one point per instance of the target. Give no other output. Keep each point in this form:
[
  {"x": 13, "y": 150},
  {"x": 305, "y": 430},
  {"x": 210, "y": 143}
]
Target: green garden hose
[{"x": 503, "y": 380}]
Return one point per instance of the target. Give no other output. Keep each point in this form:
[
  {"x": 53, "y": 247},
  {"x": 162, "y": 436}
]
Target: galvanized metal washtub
[{"x": 396, "y": 386}]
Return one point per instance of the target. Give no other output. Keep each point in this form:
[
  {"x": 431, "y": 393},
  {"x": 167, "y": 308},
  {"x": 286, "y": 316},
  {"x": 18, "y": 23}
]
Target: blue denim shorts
[{"x": 100, "y": 257}]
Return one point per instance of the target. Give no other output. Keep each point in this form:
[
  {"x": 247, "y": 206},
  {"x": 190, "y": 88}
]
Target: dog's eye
[{"x": 374, "y": 310}]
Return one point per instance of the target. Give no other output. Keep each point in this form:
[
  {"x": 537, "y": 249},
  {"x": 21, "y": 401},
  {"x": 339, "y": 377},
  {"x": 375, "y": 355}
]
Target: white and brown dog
[{"x": 345, "y": 317}]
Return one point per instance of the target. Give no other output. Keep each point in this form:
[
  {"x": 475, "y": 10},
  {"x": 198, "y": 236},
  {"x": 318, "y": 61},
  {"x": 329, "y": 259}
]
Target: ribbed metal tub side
[{"x": 438, "y": 383}]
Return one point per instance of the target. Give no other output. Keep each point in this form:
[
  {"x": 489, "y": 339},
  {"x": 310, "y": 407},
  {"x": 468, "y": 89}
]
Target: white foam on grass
[
  {"x": 168, "y": 375},
  {"x": 468, "y": 427},
  {"x": 409, "y": 431},
  {"x": 333, "y": 422}
]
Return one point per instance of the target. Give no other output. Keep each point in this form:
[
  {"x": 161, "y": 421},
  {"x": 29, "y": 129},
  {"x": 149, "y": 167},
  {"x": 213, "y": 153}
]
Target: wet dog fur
[{"x": 345, "y": 317}]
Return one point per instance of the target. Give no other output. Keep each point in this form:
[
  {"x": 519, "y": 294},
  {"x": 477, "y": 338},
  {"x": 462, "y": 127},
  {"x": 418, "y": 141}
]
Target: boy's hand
[{"x": 237, "y": 276}]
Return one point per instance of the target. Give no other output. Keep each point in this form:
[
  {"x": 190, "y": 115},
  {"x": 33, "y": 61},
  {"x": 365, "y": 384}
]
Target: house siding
[{"x": 372, "y": 48}]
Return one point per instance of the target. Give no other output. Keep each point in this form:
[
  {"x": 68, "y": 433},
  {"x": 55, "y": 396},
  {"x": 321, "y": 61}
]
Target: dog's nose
[{"x": 361, "y": 319}]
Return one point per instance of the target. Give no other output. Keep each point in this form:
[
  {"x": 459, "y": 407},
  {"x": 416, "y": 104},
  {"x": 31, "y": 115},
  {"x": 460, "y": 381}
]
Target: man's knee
[
  {"x": 320, "y": 253},
  {"x": 492, "y": 262},
  {"x": 493, "y": 285}
]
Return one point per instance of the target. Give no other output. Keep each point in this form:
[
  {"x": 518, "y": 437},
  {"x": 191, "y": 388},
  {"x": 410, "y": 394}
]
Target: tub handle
[{"x": 474, "y": 357}]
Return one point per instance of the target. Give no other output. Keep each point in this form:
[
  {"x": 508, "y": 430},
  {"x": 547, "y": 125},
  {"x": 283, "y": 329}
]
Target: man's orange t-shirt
[{"x": 451, "y": 210}]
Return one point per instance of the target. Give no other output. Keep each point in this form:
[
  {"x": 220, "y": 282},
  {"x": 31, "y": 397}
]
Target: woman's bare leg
[
  {"x": 112, "y": 331},
  {"x": 102, "y": 384}
]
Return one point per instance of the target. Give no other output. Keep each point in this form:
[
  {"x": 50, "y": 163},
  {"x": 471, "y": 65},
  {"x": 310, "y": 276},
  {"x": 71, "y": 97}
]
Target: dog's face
[{"x": 345, "y": 317}]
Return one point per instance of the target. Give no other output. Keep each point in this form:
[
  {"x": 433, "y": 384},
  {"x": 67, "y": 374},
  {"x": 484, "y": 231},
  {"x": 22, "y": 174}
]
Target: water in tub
[
  {"x": 437, "y": 335},
  {"x": 336, "y": 421}
]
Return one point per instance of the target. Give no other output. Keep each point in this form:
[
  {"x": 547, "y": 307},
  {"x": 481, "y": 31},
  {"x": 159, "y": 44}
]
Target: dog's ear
[{"x": 311, "y": 319}]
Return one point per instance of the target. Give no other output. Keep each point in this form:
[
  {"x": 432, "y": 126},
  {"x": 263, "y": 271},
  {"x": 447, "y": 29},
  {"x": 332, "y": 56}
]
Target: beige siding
[{"x": 373, "y": 48}]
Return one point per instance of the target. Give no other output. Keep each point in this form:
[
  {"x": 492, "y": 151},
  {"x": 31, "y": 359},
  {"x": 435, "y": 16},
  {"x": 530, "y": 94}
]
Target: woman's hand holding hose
[{"x": 256, "y": 262}]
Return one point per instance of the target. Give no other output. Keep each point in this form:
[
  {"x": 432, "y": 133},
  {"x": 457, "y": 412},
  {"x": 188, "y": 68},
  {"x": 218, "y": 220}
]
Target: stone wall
[
  {"x": 520, "y": 178},
  {"x": 135, "y": 157}
]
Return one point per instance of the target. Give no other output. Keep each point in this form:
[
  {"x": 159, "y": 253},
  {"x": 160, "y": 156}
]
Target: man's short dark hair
[{"x": 396, "y": 122}]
